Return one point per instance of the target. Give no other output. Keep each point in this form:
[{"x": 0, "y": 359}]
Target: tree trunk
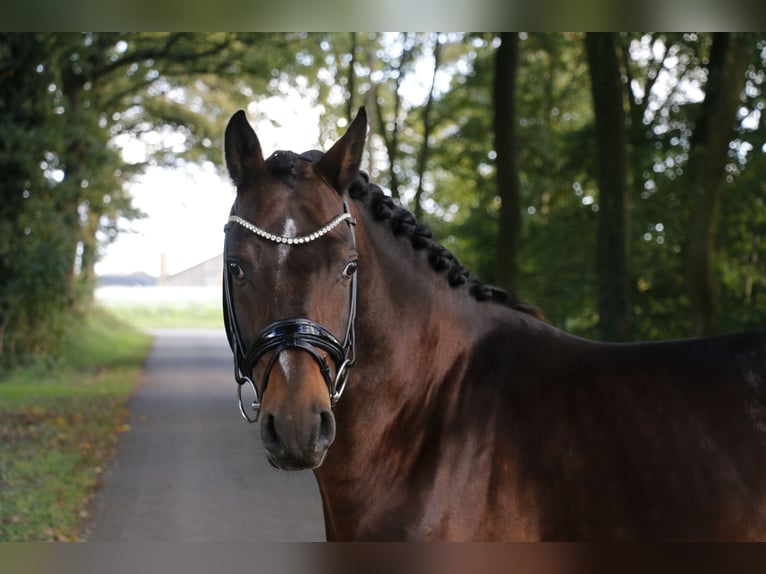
[
  {"x": 371, "y": 103},
  {"x": 423, "y": 154},
  {"x": 705, "y": 172},
  {"x": 391, "y": 139},
  {"x": 506, "y": 161},
  {"x": 350, "y": 111},
  {"x": 613, "y": 287}
]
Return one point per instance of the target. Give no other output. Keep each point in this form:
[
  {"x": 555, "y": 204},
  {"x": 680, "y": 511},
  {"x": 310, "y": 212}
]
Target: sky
[{"x": 186, "y": 209}]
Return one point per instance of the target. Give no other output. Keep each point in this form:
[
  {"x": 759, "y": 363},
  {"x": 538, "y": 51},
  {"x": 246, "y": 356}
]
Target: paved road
[{"x": 190, "y": 468}]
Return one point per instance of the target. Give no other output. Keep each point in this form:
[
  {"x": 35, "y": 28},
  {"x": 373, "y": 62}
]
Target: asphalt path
[{"x": 190, "y": 468}]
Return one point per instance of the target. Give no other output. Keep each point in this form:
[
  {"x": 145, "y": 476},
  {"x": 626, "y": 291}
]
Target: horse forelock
[
  {"x": 403, "y": 223},
  {"x": 284, "y": 192},
  {"x": 287, "y": 165}
]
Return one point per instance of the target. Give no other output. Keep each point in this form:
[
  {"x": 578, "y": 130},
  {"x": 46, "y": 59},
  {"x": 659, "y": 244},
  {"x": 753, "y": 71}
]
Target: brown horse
[{"x": 466, "y": 417}]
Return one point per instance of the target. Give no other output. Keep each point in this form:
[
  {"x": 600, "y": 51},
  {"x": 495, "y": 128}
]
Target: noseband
[{"x": 297, "y": 333}]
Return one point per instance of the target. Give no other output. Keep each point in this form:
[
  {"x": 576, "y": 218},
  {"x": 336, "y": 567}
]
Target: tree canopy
[{"x": 443, "y": 115}]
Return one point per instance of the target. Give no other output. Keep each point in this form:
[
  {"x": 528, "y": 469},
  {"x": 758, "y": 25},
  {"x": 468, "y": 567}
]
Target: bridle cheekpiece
[{"x": 296, "y": 333}]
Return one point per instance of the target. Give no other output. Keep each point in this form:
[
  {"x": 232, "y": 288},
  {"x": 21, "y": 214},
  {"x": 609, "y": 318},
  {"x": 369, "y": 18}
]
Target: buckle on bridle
[
  {"x": 341, "y": 378},
  {"x": 255, "y": 406}
]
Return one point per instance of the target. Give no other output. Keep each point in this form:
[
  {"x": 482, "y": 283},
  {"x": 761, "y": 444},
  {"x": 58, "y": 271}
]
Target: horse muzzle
[
  {"x": 296, "y": 421},
  {"x": 302, "y": 446}
]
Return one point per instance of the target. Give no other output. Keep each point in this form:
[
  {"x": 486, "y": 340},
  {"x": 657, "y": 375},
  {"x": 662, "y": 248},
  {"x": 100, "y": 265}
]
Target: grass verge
[
  {"x": 59, "y": 425},
  {"x": 164, "y": 307},
  {"x": 178, "y": 315}
]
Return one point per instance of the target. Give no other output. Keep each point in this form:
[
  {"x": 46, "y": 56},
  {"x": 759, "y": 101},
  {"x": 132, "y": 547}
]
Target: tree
[
  {"x": 705, "y": 172},
  {"x": 34, "y": 259},
  {"x": 506, "y": 160},
  {"x": 422, "y": 161},
  {"x": 65, "y": 100},
  {"x": 390, "y": 128},
  {"x": 559, "y": 194},
  {"x": 461, "y": 208},
  {"x": 611, "y": 143},
  {"x": 668, "y": 80}
]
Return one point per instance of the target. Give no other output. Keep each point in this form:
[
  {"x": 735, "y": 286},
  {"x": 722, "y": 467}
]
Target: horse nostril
[
  {"x": 326, "y": 429},
  {"x": 269, "y": 433}
]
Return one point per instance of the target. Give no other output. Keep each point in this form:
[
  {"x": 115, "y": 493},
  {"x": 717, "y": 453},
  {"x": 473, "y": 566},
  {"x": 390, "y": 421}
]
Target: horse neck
[
  {"x": 412, "y": 335},
  {"x": 410, "y": 321}
]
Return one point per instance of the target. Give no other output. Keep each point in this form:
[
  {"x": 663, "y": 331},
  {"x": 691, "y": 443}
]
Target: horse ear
[
  {"x": 340, "y": 165},
  {"x": 242, "y": 150}
]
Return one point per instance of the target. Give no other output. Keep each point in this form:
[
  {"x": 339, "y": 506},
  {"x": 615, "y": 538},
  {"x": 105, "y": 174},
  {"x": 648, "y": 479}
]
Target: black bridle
[{"x": 297, "y": 333}]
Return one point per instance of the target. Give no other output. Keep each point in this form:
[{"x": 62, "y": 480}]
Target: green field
[
  {"x": 164, "y": 307},
  {"x": 59, "y": 424}
]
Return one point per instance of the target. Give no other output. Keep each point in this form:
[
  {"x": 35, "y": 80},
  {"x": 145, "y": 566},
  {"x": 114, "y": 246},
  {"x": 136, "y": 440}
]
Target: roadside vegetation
[
  {"x": 164, "y": 307},
  {"x": 59, "y": 424}
]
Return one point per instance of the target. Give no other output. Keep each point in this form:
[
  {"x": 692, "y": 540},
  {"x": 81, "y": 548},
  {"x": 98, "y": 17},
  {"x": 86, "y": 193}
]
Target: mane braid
[{"x": 383, "y": 208}]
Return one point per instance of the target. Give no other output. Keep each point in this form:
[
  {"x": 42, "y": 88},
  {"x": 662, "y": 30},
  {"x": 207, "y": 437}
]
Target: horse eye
[
  {"x": 236, "y": 270},
  {"x": 350, "y": 268}
]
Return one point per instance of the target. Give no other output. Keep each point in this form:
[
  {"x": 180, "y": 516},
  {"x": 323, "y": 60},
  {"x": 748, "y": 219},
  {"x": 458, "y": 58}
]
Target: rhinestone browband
[{"x": 293, "y": 240}]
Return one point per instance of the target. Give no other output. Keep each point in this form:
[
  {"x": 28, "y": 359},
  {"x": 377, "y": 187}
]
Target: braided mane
[{"x": 403, "y": 223}]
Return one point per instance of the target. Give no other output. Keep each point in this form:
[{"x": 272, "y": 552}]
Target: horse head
[{"x": 290, "y": 287}]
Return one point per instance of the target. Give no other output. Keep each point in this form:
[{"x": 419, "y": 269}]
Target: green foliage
[
  {"x": 553, "y": 109},
  {"x": 33, "y": 238},
  {"x": 166, "y": 307},
  {"x": 69, "y": 104},
  {"x": 557, "y": 261},
  {"x": 742, "y": 241},
  {"x": 58, "y": 427},
  {"x": 461, "y": 207}
]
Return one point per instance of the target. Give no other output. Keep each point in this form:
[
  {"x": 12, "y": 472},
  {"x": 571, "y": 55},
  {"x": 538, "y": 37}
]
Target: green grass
[
  {"x": 59, "y": 425},
  {"x": 165, "y": 307},
  {"x": 180, "y": 315}
]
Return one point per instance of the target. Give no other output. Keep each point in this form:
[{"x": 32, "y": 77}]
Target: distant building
[
  {"x": 206, "y": 274},
  {"x": 132, "y": 280}
]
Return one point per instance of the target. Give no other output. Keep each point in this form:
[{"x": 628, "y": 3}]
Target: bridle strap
[
  {"x": 291, "y": 240},
  {"x": 230, "y": 324}
]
